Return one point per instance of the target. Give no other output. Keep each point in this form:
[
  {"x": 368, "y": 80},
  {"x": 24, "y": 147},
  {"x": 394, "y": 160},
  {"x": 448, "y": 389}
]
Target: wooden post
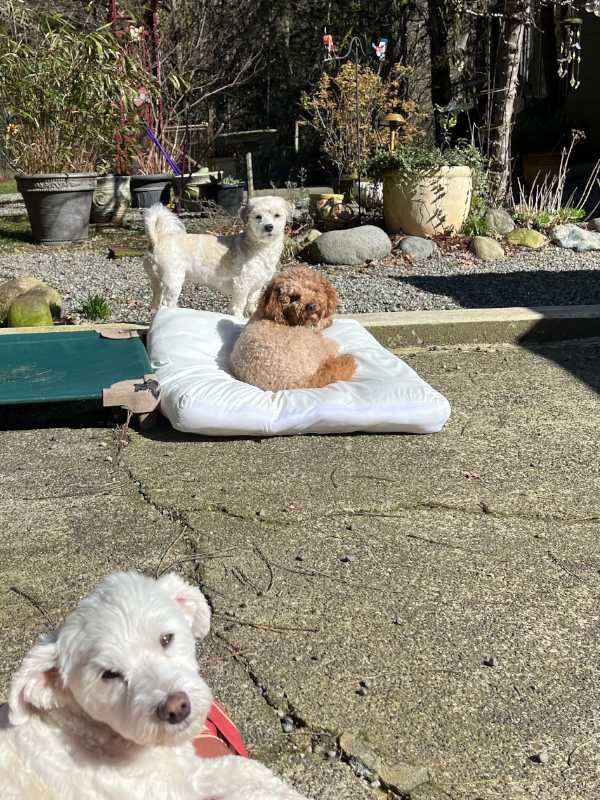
[{"x": 249, "y": 175}]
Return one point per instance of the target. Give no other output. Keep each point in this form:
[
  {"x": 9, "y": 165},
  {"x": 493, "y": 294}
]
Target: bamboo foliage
[{"x": 63, "y": 94}]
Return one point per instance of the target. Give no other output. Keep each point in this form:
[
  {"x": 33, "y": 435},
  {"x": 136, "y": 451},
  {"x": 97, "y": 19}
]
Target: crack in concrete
[
  {"x": 188, "y": 535},
  {"x": 484, "y": 510}
]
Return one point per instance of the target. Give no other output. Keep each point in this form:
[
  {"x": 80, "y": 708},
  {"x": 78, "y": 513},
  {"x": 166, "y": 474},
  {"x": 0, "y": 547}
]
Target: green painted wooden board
[{"x": 52, "y": 367}]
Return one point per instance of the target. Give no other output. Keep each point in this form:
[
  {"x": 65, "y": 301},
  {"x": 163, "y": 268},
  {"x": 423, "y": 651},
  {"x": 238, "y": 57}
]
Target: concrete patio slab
[{"x": 426, "y": 604}]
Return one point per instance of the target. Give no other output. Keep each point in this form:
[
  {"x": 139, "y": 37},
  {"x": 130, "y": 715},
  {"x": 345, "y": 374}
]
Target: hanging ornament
[
  {"x": 380, "y": 48},
  {"x": 329, "y": 45},
  {"x": 569, "y": 62}
]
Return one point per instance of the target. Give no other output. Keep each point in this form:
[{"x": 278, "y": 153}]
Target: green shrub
[
  {"x": 476, "y": 226},
  {"x": 414, "y": 161},
  {"x": 543, "y": 219}
]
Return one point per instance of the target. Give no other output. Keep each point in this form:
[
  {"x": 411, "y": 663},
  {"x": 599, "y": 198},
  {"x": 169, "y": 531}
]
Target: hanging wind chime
[
  {"x": 569, "y": 60},
  {"x": 593, "y": 7}
]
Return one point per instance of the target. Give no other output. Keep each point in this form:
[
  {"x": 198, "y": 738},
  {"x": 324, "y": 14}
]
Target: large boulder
[
  {"x": 30, "y": 310},
  {"x": 575, "y": 238},
  {"x": 499, "y": 221},
  {"x": 353, "y": 246},
  {"x": 10, "y": 290},
  {"x": 15, "y": 288},
  {"x": 418, "y": 248},
  {"x": 486, "y": 249},
  {"x": 527, "y": 237}
]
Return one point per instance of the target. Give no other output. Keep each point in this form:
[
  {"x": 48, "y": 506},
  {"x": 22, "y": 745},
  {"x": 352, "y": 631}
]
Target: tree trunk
[
  {"x": 508, "y": 60},
  {"x": 441, "y": 88}
]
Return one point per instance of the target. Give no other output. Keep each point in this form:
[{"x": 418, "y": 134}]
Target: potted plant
[
  {"x": 230, "y": 194},
  {"x": 427, "y": 191},
  {"x": 61, "y": 93}
]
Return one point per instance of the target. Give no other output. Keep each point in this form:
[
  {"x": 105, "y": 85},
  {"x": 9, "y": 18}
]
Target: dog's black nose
[
  {"x": 268, "y": 228},
  {"x": 174, "y": 709},
  {"x": 311, "y": 308}
]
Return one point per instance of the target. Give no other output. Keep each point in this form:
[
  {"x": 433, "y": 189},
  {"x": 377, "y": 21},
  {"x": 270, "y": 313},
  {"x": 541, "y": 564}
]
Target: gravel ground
[{"x": 455, "y": 279}]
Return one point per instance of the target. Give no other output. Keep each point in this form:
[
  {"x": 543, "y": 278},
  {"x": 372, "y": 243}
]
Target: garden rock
[
  {"x": 10, "y": 290},
  {"x": 525, "y": 237},
  {"x": 499, "y": 221},
  {"x": 353, "y": 246},
  {"x": 30, "y": 310},
  {"x": 486, "y": 249},
  {"x": 403, "y": 778},
  {"x": 575, "y": 238},
  {"x": 418, "y": 248}
]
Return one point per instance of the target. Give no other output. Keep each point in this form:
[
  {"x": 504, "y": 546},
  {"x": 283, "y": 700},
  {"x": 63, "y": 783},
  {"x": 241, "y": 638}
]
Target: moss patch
[
  {"x": 15, "y": 232},
  {"x": 8, "y": 187}
]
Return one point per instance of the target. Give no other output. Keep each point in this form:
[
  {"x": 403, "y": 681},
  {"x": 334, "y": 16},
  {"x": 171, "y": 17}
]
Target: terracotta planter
[
  {"x": 58, "y": 205},
  {"x": 436, "y": 204}
]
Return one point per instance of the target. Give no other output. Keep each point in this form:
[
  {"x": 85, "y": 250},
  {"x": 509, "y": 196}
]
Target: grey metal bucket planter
[
  {"x": 230, "y": 196},
  {"x": 146, "y": 190},
  {"x": 58, "y": 205}
]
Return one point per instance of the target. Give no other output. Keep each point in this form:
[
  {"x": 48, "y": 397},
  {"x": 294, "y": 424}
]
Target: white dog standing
[
  {"x": 108, "y": 706},
  {"x": 239, "y": 266}
]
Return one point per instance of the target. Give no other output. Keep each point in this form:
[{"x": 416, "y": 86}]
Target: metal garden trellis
[{"x": 355, "y": 48}]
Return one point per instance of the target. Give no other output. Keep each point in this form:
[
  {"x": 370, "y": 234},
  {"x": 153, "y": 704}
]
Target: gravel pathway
[{"x": 552, "y": 276}]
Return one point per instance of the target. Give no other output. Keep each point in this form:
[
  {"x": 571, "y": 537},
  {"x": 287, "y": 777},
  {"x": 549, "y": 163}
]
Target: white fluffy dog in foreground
[
  {"x": 239, "y": 266},
  {"x": 108, "y": 706}
]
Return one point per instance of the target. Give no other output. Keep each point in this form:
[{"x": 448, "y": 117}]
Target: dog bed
[{"x": 190, "y": 351}]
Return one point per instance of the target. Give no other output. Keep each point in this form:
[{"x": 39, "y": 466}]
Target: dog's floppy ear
[
  {"x": 244, "y": 213},
  {"x": 331, "y": 295},
  {"x": 36, "y": 684},
  {"x": 191, "y": 601},
  {"x": 269, "y": 305}
]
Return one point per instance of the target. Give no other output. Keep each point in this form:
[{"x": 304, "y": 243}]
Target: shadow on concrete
[
  {"x": 580, "y": 357},
  {"x": 72, "y": 414},
  {"x": 532, "y": 290},
  {"x": 524, "y": 288}
]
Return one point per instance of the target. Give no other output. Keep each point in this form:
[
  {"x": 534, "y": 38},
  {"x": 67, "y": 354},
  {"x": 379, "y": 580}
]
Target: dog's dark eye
[
  {"x": 166, "y": 639},
  {"x": 258, "y": 217},
  {"x": 276, "y": 216},
  {"x": 110, "y": 675},
  {"x": 294, "y": 298}
]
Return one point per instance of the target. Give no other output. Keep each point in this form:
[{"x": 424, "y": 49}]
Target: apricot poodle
[{"x": 282, "y": 346}]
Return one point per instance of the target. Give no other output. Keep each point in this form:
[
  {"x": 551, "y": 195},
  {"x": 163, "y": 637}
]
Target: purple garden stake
[{"x": 154, "y": 138}]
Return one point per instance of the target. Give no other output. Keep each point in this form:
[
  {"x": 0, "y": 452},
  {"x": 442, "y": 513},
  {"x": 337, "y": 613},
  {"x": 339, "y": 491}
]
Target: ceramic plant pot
[
  {"x": 58, "y": 205},
  {"x": 436, "y": 204},
  {"x": 112, "y": 198}
]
